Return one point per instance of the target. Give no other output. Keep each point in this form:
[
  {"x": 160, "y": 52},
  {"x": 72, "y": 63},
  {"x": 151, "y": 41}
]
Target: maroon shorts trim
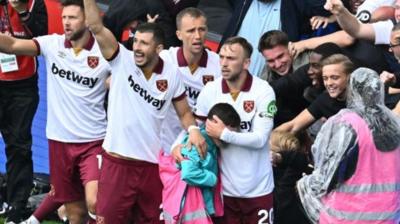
[
  {"x": 72, "y": 165},
  {"x": 247, "y": 210},
  {"x": 129, "y": 191}
]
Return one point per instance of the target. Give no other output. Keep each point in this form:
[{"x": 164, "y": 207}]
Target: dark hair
[
  {"x": 72, "y": 2},
  {"x": 190, "y": 11},
  {"x": 328, "y": 49},
  {"x": 226, "y": 113},
  {"x": 155, "y": 29},
  {"x": 248, "y": 49},
  {"x": 272, "y": 39}
]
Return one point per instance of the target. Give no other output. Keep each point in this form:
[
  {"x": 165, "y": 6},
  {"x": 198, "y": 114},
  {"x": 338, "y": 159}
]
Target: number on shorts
[
  {"x": 99, "y": 160},
  {"x": 162, "y": 212},
  {"x": 266, "y": 217}
]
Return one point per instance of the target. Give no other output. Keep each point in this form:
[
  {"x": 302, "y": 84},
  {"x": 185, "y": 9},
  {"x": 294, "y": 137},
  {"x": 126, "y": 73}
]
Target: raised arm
[
  {"x": 341, "y": 38},
  {"x": 106, "y": 40},
  {"x": 11, "y": 45},
  {"x": 349, "y": 22}
]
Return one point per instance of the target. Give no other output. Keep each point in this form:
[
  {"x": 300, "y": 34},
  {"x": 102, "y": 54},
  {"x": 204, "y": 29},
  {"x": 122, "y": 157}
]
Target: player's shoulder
[
  {"x": 212, "y": 55},
  {"x": 169, "y": 54},
  {"x": 169, "y": 69},
  {"x": 51, "y": 39},
  {"x": 260, "y": 83},
  {"x": 262, "y": 88},
  {"x": 214, "y": 84}
]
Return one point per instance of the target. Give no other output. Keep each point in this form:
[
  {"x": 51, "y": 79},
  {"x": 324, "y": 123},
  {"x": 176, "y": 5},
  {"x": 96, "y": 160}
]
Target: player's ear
[
  {"x": 246, "y": 63},
  {"x": 178, "y": 34},
  {"x": 159, "y": 48}
]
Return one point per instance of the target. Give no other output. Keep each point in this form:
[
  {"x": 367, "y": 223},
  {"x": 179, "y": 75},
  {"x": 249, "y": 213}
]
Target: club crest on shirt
[
  {"x": 93, "y": 61},
  {"x": 248, "y": 105},
  {"x": 207, "y": 78},
  {"x": 162, "y": 85}
]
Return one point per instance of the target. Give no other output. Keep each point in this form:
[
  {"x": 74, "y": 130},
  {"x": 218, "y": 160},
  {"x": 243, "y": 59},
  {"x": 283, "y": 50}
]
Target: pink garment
[
  {"x": 176, "y": 191},
  {"x": 372, "y": 194}
]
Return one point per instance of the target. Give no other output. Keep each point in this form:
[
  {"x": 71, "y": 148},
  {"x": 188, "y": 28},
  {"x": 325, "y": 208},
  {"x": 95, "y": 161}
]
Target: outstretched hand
[
  {"x": 334, "y": 6},
  {"x": 196, "y": 139}
]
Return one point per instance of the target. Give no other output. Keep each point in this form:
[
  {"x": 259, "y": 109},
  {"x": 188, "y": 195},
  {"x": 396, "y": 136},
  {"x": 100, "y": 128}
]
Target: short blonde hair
[
  {"x": 348, "y": 66},
  {"x": 284, "y": 141}
]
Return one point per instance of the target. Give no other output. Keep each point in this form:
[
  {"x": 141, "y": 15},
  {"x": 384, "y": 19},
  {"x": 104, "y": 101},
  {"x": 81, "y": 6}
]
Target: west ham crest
[
  {"x": 92, "y": 61},
  {"x": 162, "y": 85},
  {"x": 248, "y": 105},
  {"x": 207, "y": 78}
]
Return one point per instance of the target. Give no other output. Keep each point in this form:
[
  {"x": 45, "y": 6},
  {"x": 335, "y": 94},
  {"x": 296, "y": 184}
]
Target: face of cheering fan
[
  {"x": 315, "y": 69},
  {"x": 335, "y": 80},
  {"x": 278, "y": 59}
]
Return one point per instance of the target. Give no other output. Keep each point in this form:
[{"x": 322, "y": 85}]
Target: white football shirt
[
  {"x": 245, "y": 164},
  {"x": 208, "y": 70},
  {"x": 137, "y": 107},
  {"x": 75, "y": 89}
]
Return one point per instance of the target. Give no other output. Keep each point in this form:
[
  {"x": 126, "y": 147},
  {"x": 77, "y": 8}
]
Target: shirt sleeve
[
  {"x": 203, "y": 101},
  {"x": 179, "y": 88},
  {"x": 382, "y": 31},
  {"x": 262, "y": 124},
  {"x": 332, "y": 142},
  {"x": 315, "y": 107},
  {"x": 115, "y": 59},
  {"x": 372, "y": 5},
  {"x": 43, "y": 45}
]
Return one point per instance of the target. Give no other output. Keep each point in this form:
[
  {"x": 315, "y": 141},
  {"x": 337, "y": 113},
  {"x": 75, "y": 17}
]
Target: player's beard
[
  {"x": 233, "y": 77},
  {"x": 148, "y": 60},
  {"x": 77, "y": 35}
]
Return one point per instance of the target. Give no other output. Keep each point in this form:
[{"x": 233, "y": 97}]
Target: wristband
[{"x": 191, "y": 127}]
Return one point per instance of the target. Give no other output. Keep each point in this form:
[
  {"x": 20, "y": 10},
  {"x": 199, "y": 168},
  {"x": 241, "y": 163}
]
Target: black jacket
[{"x": 121, "y": 12}]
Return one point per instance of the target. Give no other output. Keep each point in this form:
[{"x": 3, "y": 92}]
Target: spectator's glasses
[{"x": 393, "y": 45}]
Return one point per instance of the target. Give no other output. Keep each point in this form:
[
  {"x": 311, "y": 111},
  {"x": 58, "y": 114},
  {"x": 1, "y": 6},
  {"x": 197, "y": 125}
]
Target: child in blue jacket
[{"x": 196, "y": 171}]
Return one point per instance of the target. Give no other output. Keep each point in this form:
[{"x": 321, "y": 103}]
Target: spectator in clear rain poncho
[{"x": 357, "y": 160}]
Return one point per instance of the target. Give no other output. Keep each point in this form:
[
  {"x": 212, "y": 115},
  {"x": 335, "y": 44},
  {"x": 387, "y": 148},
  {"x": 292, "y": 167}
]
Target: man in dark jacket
[{"x": 19, "y": 99}]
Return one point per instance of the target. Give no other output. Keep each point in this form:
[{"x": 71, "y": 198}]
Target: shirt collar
[
  {"x": 159, "y": 66},
  {"x": 88, "y": 46},
  {"x": 246, "y": 85},
  {"x": 183, "y": 63}
]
